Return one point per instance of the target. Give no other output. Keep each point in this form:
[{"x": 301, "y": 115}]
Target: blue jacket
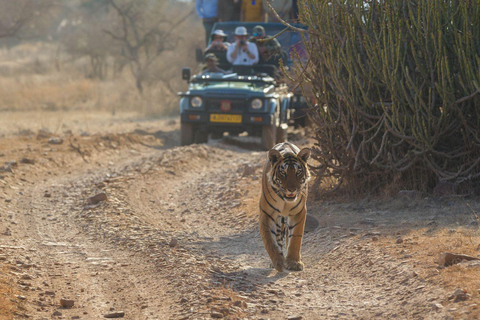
[{"x": 207, "y": 8}]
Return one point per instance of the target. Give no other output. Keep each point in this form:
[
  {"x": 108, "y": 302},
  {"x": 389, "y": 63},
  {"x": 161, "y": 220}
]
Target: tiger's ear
[
  {"x": 304, "y": 154},
  {"x": 274, "y": 156}
]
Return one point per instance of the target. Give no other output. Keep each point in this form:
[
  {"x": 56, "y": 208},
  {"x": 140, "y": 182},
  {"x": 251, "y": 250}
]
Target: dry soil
[{"x": 119, "y": 220}]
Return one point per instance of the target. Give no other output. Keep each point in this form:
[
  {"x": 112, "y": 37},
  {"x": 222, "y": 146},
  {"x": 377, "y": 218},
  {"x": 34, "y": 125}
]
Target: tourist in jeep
[
  {"x": 269, "y": 51},
  {"x": 218, "y": 46},
  {"x": 242, "y": 52},
  {"x": 211, "y": 65},
  {"x": 218, "y": 42}
]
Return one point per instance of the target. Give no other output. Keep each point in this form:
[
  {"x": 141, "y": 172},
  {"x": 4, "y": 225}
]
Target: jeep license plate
[{"x": 230, "y": 118}]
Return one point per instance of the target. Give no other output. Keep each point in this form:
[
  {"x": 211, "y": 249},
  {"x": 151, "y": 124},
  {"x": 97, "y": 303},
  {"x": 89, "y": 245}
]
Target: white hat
[
  {"x": 241, "y": 31},
  {"x": 220, "y": 33}
]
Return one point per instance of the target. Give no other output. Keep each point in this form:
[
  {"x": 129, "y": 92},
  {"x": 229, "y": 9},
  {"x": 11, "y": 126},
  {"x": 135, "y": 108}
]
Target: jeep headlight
[
  {"x": 196, "y": 102},
  {"x": 257, "y": 104}
]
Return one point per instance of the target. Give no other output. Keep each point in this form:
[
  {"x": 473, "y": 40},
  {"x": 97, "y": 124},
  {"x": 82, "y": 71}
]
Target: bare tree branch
[{"x": 142, "y": 39}]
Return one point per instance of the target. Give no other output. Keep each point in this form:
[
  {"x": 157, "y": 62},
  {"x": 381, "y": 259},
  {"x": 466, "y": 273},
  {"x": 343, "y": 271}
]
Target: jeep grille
[{"x": 238, "y": 105}]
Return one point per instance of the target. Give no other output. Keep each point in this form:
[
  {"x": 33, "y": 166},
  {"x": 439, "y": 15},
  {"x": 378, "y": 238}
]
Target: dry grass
[
  {"x": 60, "y": 91},
  {"x": 39, "y": 76},
  {"x": 39, "y": 92}
]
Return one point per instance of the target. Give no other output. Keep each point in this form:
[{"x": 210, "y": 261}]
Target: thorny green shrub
[{"x": 397, "y": 87}]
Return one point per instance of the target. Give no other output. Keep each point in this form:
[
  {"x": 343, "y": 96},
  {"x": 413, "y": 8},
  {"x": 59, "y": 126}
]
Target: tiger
[{"x": 283, "y": 208}]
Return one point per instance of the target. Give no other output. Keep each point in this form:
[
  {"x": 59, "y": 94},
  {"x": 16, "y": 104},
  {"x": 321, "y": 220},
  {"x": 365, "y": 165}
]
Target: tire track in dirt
[
  {"x": 205, "y": 197},
  {"x": 159, "y": 199},
  {"x": 72, "y": 264}
]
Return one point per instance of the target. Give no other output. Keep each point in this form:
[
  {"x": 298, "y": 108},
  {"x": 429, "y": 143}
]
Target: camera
[{"x": 242, "y": 42}]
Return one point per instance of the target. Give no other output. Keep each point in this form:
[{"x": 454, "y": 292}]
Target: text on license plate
[{"x": 232, "y": 118}]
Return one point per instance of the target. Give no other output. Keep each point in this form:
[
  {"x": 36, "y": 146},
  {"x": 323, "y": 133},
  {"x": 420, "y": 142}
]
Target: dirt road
[{"x": 172, "y": 234}]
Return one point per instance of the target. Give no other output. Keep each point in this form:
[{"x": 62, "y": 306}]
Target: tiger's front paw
[
  {"x": 279, "y": 263},
  {"x": 295, "y": 265}
]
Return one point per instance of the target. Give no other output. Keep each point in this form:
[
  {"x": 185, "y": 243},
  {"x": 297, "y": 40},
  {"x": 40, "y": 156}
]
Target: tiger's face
[{"x": 289, "y": 175}]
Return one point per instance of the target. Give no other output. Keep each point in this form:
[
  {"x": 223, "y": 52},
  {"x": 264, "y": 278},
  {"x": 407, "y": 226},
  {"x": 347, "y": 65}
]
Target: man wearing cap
[
  {"x": 211, "y": 62},
  {"x": 269, "y": 51},
  {"x": 242, "y": 52}
]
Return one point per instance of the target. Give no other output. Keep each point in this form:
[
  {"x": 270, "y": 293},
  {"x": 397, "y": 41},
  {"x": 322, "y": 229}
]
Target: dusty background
[{"x": 177, "y": 236}]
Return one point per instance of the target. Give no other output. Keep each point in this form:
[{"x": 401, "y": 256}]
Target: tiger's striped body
[{"x": 283, "y": 207}]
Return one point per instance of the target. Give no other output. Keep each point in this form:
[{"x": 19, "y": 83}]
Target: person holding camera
[
  {"x": 242, "y": 52},
  {"x": 218, "y": 42},
  {"x": 219, "y": 46}
]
